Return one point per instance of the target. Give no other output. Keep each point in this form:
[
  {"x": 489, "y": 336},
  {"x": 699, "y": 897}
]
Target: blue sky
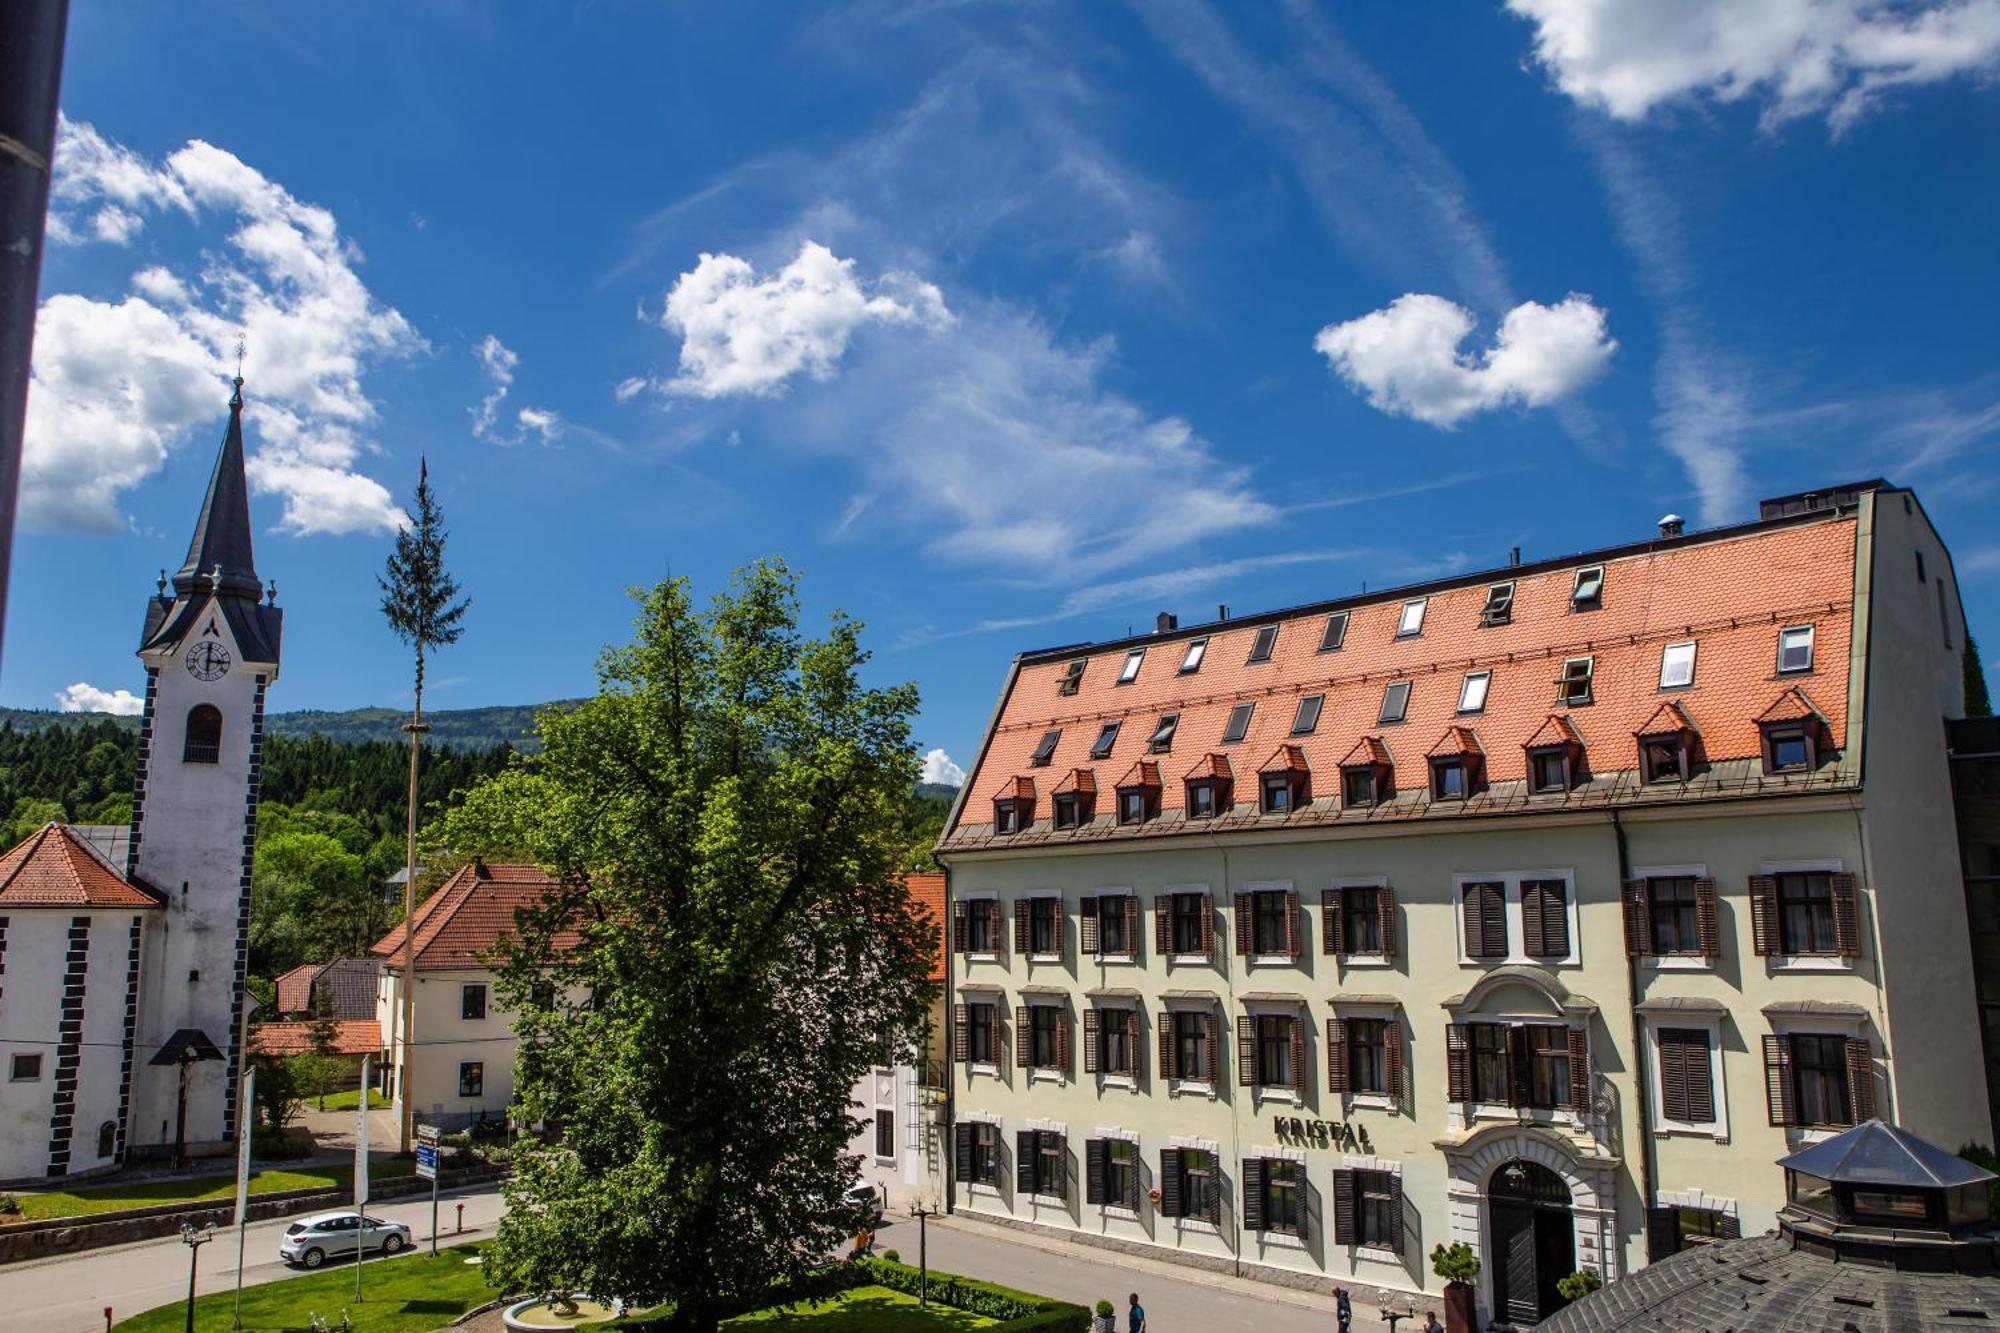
[{"x": 1008, "y": 325}]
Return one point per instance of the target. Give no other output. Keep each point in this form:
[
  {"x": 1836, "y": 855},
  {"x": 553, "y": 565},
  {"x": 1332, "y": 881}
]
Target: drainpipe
[
  {"x": 1640, "y": 1071},
  {"x": 948, "y": 1132}
]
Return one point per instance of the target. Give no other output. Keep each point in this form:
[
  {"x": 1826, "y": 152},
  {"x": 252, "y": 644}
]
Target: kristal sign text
[{"x": 1297, "y": 1133}]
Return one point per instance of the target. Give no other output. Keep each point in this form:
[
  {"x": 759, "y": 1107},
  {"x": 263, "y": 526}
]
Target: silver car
[{"x": 311, "y": 1241}]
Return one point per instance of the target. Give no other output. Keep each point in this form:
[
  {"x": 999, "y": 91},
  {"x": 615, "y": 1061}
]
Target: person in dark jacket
[
  {"x": 1343, "y": 1309},
  {"x": 1135, "y": 1316}
]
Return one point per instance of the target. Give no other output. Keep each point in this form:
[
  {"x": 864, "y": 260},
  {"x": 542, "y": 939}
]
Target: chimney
[
  {"x": 1671, "y": 525},
  {"x": 1222, "y": 611},
  {"x": 1167, "y": 620},
  {"x": 1514, "y": 556}
]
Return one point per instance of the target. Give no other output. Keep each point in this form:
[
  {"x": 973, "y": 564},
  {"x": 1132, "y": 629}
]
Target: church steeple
[{"x": 222, "y": 534}]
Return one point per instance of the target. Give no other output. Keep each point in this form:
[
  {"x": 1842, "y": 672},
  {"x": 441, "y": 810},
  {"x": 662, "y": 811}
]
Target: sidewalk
[{"x": 1176, "y": 1298}]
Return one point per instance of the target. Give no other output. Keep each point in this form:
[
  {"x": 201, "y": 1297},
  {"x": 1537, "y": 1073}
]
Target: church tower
[{"x": 210, "y": 650}]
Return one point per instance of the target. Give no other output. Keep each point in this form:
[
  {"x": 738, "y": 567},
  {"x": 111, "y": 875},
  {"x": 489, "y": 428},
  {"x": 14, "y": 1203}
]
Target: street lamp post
[
  {"x": 194, "y": 1238},
  {"x": 923, "y": 1215}
]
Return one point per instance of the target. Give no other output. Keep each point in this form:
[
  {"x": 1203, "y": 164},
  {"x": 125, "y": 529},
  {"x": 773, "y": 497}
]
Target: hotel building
[{"x": 1539, "y": 909}]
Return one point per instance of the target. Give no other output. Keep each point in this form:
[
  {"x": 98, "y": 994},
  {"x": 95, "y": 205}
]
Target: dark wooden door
[
  {"x": 1516, "y": 1284},
  {"x": 1555, "y": 1257}
]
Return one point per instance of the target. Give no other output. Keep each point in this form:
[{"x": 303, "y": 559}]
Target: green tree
[
  {"x": 1978, "y": 703},
  {"x": 725, "y": 823},
  {"x": 30, "y": 813}
]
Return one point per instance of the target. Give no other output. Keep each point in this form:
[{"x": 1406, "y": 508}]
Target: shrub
[
  {"x": 1578, "y": 1284},
  {"x": 1104, "y": 1309},
  {"x": 1455, "y": 1262},
  {"x": 273, "y": 1145},
  {"x": 9, "y": 1205},
  {"x": 892, "y": 1256},
  {"x": 1017, "y": 1311}
]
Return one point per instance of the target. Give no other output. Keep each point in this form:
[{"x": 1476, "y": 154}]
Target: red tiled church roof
[
  {"x": 55, "y": 867},
  {"x": 460, "y": 924},
  {"x": 351, "y": 1036},
  {"x": 295, "y": 988}
]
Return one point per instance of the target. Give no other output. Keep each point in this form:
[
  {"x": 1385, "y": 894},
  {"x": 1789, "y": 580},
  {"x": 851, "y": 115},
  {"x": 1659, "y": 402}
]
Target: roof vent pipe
[
  {"x": 1222, "y": 611},
  {"x": 1671, "y": 525},
  {"x": 1167, "y": 620},
  {"x": 1514, "y": 556}
]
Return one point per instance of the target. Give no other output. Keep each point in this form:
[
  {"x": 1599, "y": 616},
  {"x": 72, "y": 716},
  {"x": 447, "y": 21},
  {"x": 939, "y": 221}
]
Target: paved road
[{"x": 68, "y": 1295}]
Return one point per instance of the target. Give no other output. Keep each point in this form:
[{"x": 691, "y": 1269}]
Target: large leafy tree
[{"x": 725, "y": 823}]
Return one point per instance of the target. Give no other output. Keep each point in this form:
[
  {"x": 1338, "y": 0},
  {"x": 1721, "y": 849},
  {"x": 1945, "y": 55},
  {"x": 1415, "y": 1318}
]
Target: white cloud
[
  {"x": 498, "y": 362},
  {"x": 1406, "y": 358},
  {"x": 939, "y": 768},
  {"x": 1796, "y": 57},
  {"x": 119, "y": 384},
  {"x": 631, "y": 387},
  {"x": 541, "y": 421},
  {"x": 745, "y": 334},
  {"x": 83, "y": 697}
]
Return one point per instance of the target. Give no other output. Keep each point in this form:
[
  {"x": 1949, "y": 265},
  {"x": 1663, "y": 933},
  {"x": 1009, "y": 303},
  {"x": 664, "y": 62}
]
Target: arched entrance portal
[{"x": 1534, "y": 1240}]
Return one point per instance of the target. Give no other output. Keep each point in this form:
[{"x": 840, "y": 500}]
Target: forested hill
[{"x": 451, "y": 728}]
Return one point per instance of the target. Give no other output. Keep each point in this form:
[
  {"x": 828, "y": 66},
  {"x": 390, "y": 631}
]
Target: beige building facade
[{"x": 1538, "y": 910}]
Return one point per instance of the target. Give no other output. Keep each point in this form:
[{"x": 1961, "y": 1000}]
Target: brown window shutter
[
  {"x": 1861, "y": 1078},
  {"x": 1458, "y": 1062},
  {"x": 1345, "y": 1227},
  {"x": 1023, "y": 919},
  {"x": 1241, "y": 904},
  {"x": 1392, "y": 1057},
  {"x": 1171, "y": 1203},
  {"x": 1132, "y": 1035},
  {"x": 1579, "y": 1071},
  {"x": 1475, "y": 937},
  {"x": 1131, "y": 904},
  {"x": 1024, "y": 1161},
  {"x": 1211, "y": 1048},
  {"x": 1555, "y": 918},
  {"x": 1211, "y": 1197},
  {"x": 1062, "y": 1040},
  {"x": 1673, "y": 1074},
  {"x": 1764, "y": 936},
  {"x": 1493, "y": 919},
  {"x": 1208, "y": 925},
  {"x": 1532, "y": 918},
  {"x": 959, "y": 933},
  {"x": 1024, "y": 1037},
  {"x": 1707, "y": 919},
  {"x": 1131, "y": 1199},
  {"x": 961, "y": 1034},
  {"x": 1520, "y": 1066},
  {"x": 1638, "y": 918},
  {"x": 1169, "y": 1068},
  {"x": 1396, "y": 1212},
  {"x": 1331, "y": 929},
  {"x": 1093, "y": 1170},
  {"x": 1087, "y": 909},
  {"x": 1336, "y": 1055},
  {"x": 1254, "y": 1176},
  {"x": 1298, "y": 1026},
  {"x": 1663, "y": 1233},
  {"x": 961, "y": 1151},
  {"x": 1385, "y": 907},
  {"x": 1294, "y": 923},
  {"x": 1163, "y": 924},
  {"x": 1778, "y": 1079},
  {"x": 1700, "y": 1081},
  {"x": 1246, "y": 1051},
  {"x": 1846, "y": 916},
  {"x": 1091, "y": 1044}
]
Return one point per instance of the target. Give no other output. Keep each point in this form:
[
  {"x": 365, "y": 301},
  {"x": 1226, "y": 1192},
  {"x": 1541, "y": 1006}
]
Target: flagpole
[
  {"x": 243, "y": 1182},
  {"x": 360, "y": 1178}
]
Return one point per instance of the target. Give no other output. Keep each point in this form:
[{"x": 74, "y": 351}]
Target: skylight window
[
  {"x": 1072, "y": 677},
  {"x": 1307, "y": 718},
  {"x": 1238, "y": 725},
  {"x": 1335, "y": 633},
  {"x": 1106, "y": 738},
  {"x": 1589, "y": 588},
  {"x": 1472, "y": 694},
  {"x": 1130, "y": 671},
  {"x": 1191, "y": 660},
  {"x": 1677, "y": 665},
  {"x": 1573, "y": 686},
  {"x": 1795, "y": 648},
  {"x": 1411, "y": 623},
  {"x": 1395, "y": 701},
  {"x": 1047, "y": 749},
  {"x": 1499, "y": 608},
  {"x": 1265, "y": 642},
  {"x": 1162, "y": 739}
]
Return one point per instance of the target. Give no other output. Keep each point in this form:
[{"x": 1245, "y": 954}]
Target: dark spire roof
[
  {"x": 222, "y": 534},
  {"x": 1875, "y": 1154}
]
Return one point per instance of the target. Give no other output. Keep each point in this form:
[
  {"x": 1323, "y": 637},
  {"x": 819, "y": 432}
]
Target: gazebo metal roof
[{"x": 1874, "y": 1153}]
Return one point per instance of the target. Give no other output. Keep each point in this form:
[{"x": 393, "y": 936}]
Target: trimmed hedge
[{"x": 1017, "y": 1311}]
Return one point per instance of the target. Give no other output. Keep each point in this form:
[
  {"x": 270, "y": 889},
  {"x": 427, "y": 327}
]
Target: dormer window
[
  {"x": 1573, "y": 686},
  {"x": 1335, "y": 633},
  {"x": 1191, "y": 659},
  {"x": 1132, "y": 807},
  {"x": 1107, "y": 737},
  {"x": 1789, "y": 748},
  {"x": 1587, "y": 592},
  {"x": 1076, "y": 799},
  {"x": 1499, "y": 608},
  {"x": 1359, "y": 787},
  {"x": 1677, "y": 665},
  {"x": 1366, "y": 774},
  {"x": 1202, "y": 800},
  {"x": 1277, "y": 795},
  {"x": 1069, "y": 810},
  {"x": 1139, "y": 793},
  {"x": 1395, "y": 701},
  {"x": 1162, "y": 739},
  {"x": 1456, "y": 763},
  {"x": 1795, "y": 649},
  {"x": 1046, "y": 749},
  {"x": 1238, "y": 725},
  {"x": 1663, "y": 758},
  {"x": 1472, "y": 692},
  {"x": 1130, "y": 671},
  {"x": 1306, "y": 720},
  {"x": 1014, "y": 806},
  {"x": 1549, "y": 769},
  {"x": 1284, "y": 784},
  {"x": 1072, "y": 677},
  {"x": 1007, "y": 816},
  {"x": 1263, "y": 645},
  {"x": 1451, "y": 778},
  {"x": 1411, "y": 623}
]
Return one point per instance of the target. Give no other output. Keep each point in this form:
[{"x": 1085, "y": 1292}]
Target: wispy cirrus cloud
[{"x": 498, "y": 363}]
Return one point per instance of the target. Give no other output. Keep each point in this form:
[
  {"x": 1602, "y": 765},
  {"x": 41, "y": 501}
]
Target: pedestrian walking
[
  {"x": 1431, "y": 1324},
  {"x": 1343, "y": 1309},
  {"x": 1135, "y": 1315}
]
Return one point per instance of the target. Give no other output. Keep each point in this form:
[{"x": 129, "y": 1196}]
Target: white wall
[{"x": 444, "y": 1041}]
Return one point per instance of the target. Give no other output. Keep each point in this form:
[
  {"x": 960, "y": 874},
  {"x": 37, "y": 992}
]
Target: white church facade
[{"x": 123, "y": 986}]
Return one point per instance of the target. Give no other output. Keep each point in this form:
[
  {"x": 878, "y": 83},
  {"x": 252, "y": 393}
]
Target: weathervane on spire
[{"x": 241, "y": 343}]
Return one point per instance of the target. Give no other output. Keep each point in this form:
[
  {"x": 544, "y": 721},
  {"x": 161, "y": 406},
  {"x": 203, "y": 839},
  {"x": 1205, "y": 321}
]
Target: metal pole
[
  {"x": 360, "y": 1179},
  {"x": 923, "y": 1256},
  {"x": 31, "y": 55},
  {"x": 243, "y": 1127},
  {"x": 434, "y": 1213},
  {"x": 194, "y": 1253}
]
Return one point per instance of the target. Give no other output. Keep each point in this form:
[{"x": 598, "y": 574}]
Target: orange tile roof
[
  {"x": 1666, "y": 720},
  {"x": 926, "y": 890},
  {"x": 351, "y": 1036},
  {"x": 1456, "y": 740},
  {"x": 1144, "y": 773},
  {"x": 1367, "y": 750},
  {"x": 56, "y": 867},
  {"x": 1731, "y": 591},
  {"x": 1209, "y": 768},
  {"x": 1555, "y": 730},
  {"x": 1016, "y": 789},
  {"x": 460, "y": 924},
  {"x": 295, "y": 988},
  {"x": 1286, "y": 758},
  {"x": 1791, "y": 706},
  {"x": 1083, "y": 781}
]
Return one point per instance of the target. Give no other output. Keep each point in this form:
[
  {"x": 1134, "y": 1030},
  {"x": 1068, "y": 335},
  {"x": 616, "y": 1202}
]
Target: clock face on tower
[{"x": 208, "y": 661}]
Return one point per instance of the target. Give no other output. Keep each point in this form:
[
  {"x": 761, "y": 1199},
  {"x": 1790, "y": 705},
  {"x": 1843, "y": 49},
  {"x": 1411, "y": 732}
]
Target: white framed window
[
  {"x": 1573, "y": 686},
  {"x": 1496, "y": 904},
  {"x": 1130, "y": 671},
  {"x": 1395, "y": 701},
  {"x": 1685, "y": 1054},
  {"x": 1191, "y": 659},
  {"x": 1588, "y": 590},
  {"x": 1411, "y": 622},
  {"x": 1472, "y": 693},
  {"x": 1795, "y": 649},
  {"x": 1499, "y": 608},
  {"x": 1804, "y": 962},
  {"x": 1677, "y": 665}
]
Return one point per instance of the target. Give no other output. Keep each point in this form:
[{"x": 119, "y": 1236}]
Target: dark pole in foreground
[
  {"x": 194, "y": 1239},
  {"x": 922, "y": 1214},
  {"x": 31, "y": 51}
]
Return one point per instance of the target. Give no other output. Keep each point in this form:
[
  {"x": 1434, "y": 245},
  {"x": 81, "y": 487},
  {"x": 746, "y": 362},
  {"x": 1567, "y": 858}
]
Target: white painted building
[{"x": 903, "y": 1107}]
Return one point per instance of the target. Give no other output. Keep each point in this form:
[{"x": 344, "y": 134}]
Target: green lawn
[
  {"x": 410, "y": 1294},
  {"x": 198, "y": 1189},
  {"x": 865, "y": 1310},
  {"x": 344, "y": 1101}
]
